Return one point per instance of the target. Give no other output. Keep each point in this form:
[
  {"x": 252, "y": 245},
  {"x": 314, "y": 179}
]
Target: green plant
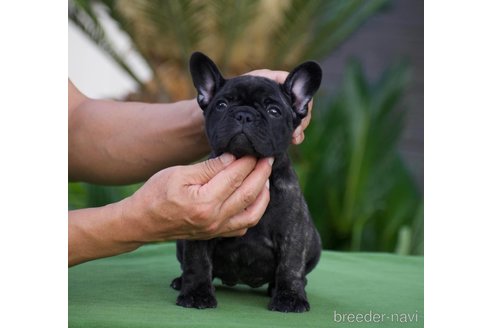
[
  {"x": 361, "y": 195},
  {"x": 239, "y": 35},
  {"x": 82, "y": 195}
]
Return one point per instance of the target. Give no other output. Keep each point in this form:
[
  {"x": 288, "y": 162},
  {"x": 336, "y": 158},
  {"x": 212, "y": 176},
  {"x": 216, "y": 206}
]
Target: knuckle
[
  {"x": 174, "y": 196},
  {"x": 207, "y": 219},
  {"x": 209, "y": 168},
  {"x": 235, "y": 180},
  {"x": 253, "y": 220},
  {"x": 257, "y": 216},
  {"x": 203, "y": 212},
  {"x": 241, "y": 232},
  {"x": 212, "y": 228},
  {"x": 248, "y": 197}
]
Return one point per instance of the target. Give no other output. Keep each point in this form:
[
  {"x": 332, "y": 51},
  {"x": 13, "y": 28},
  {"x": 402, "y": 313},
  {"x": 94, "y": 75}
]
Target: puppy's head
[{"x": 250, "y": 115}]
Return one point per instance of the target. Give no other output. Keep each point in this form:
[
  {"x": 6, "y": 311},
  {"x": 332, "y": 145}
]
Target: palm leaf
[
  {"x": 228, "y": 23},
  {"x": 239, "y": 35},
  {"x": 293, "y": 33},
  {"x": 338, "y": 24},
  {"x": 82, "y": 14}
]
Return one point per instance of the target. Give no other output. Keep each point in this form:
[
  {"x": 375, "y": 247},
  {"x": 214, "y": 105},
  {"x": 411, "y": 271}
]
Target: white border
[
  {"x": 33, "y": 169},
  {"x": 458, "y": 163}
]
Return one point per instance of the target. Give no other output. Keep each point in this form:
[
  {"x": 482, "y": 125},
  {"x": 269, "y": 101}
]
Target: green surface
[{"x": 132, "y": 290}]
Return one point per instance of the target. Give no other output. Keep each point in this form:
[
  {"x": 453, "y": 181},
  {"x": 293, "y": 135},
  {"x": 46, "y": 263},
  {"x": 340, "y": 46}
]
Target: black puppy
[{"x": 250, "y": 115}]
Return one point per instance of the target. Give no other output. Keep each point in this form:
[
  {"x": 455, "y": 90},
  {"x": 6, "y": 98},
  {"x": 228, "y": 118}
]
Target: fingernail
[
  {"x": 267, "y": 184},
  {"x": 226, "y": 158},
  {"x": 270, "y": 161}
]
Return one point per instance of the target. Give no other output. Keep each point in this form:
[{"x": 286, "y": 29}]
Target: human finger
[
  {"x": 235, "y": 233},
  {"x": 251, "y": 215},
  {"x": 298, "y": 134},
  {"x": 203, "y": 172},
  {"x": 221, "y": 186},
  {"x": 299, "y": 139},
  {"x": 277, "y": 76},
  {"x": 248, "y": 192}
]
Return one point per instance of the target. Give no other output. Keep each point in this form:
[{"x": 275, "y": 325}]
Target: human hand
[
  {"x": 279, "y": 77},
  {"x": 218, "y": 197}
]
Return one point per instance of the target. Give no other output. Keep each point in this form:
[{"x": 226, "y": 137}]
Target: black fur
[{"x": 284, "y": 246}]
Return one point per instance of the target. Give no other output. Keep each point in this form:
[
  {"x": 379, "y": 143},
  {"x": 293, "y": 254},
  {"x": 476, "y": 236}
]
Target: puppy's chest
[
  {"x": 259, "y": 241},
  {"x": 249, "y": 259},
  {"x": 252, "y": 259}
]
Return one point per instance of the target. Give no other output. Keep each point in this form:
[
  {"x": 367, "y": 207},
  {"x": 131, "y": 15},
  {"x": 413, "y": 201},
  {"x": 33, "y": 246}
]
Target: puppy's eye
[
  {"x": 221, "y": 105},
  {"x": 273, "y": 111}
]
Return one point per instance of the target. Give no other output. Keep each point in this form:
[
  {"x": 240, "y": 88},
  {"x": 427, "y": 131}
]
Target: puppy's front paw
[
  {"x": 288, "y": 301},
  {"x": 198, "y": 299}
]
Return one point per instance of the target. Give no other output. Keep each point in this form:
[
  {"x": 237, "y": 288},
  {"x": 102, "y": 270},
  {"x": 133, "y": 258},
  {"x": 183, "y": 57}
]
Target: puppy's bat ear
[
  {"x": 301, "y": 85},
  {"x": 206, "y": 78}
]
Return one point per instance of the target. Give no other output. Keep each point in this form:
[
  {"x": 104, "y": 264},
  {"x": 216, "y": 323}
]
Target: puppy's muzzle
[{"x": 245, "y": 115}]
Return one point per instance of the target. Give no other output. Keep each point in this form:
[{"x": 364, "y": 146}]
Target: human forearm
[
  {"x": 121, "y": 142},
  {"x": 99, "y": 232}
]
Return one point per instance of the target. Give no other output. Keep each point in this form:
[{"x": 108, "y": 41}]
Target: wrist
[
  {"x": 133, "y": 231},
  {"x": 196, "y": 127},
  {"x": 121, "y": 231}
]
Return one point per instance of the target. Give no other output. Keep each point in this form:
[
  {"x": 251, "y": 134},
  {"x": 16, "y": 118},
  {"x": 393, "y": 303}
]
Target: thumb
[{"x": 201, "y": 173}]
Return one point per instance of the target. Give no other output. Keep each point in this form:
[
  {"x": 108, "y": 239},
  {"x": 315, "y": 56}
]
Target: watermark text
[{"x": 376, "y": 317}]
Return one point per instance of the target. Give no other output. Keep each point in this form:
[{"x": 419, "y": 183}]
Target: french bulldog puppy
[{"x": 249, "y": 115}]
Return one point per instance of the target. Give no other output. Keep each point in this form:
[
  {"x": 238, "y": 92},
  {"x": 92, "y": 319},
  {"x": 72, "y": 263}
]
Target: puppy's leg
[
  {"x": 271, "y": 287},
  {"x": 176, "y": 283},
  {"x": 290, "y": 278},
  {"x": 196, "y": 281}
]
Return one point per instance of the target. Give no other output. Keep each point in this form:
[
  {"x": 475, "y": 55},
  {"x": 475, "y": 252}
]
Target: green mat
[{"x": 345, "y": 290}]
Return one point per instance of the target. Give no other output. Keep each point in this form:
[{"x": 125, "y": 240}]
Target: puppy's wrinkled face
[{"x": 251, "y": 115}]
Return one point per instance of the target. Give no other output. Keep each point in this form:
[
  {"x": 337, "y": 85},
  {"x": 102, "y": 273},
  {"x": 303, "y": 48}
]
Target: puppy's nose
[{"x": 244, "y": 117}]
